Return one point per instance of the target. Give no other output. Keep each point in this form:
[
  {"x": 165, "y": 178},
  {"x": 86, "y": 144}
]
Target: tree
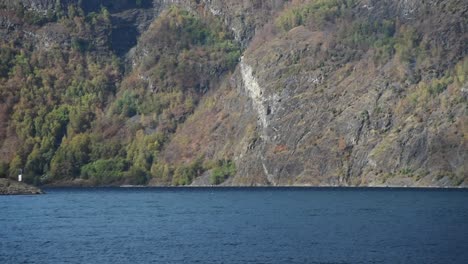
[
  {"x": 4, "y": 167},
  {"x": 70, "y": 157}
]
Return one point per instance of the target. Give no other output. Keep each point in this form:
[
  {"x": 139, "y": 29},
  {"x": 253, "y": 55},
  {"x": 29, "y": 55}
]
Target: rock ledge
[{"x": 9, "y": 187}]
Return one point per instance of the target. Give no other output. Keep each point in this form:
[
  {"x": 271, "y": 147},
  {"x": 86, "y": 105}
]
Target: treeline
[
  {"x": 71, "y": 112},
  {"x": 53, "y": 96}
]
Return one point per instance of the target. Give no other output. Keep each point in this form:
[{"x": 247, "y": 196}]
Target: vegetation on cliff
[
  {"x": 388, "y": 86},
  {"x": 347, "y": 92},
  {"x": 69, "y": 110}
]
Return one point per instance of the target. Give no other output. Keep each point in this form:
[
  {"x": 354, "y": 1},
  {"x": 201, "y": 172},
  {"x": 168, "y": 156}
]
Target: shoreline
[
  {"x": 260, "y": 187},
  {"x": 11, "y": 187},
  {"x": 80, "y": 183},
  {"x": 86, "y": 184}
]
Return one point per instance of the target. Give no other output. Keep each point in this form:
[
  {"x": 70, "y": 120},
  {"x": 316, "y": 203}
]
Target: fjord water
[{"x": 264, "y": 225}]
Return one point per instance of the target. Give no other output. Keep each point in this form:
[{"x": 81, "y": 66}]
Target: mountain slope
[
  {"x": 351, "y": 93},
  {"x": 347, "y": 96}
]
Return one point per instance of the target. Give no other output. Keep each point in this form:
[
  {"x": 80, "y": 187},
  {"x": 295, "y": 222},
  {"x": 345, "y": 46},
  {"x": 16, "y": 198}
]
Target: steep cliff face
[
  {"x": 130, "y": 18},
  {"x": 331, "y": 111},
  {"x": 347, "y": 119},
  {"x": 37, "y": 5},
  {"x": 356, "y": 92}
]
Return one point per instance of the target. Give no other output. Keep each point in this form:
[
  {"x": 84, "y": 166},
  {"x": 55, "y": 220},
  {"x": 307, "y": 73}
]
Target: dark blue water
[{"x": 235, "y": 226}]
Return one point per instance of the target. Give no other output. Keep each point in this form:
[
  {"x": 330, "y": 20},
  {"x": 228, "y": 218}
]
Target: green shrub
[
  {"x": 69, "y": 158},
  {"x": 126, "y": 105},
  {"x": 80, "y": 44},
  {"x": 35, "y": 18},
  {"x": 437, "y": 86},
  {"x": 406, "y": 45},
  {"x": 136, "y": 176},
  {"x": 461, "y": 71},
  {"x": 317, "y": 12},
  {"x": 222, "y": 170},
  {"x": 162, "y": 172},
  {"x": 457, "y": 181},
  {"x": 184, "y": 175},
  {"x": 406, "y": 171},
  {"x": 4, "y": 169},
  {"x": 105, "y": 171},
  {"x": 365, "y": 34},
  {"x": 7, "y": 56}
]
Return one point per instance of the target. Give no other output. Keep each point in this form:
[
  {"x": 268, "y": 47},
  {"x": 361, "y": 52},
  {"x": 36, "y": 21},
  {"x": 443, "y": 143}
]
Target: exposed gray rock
[
  {"x": 347, "y": 130},
  {"x": 203, "y": 180},
  {"x": 301, "y": 122},
  {"x": 343, "y": 123},
  {"x": 9, "y": 187}
]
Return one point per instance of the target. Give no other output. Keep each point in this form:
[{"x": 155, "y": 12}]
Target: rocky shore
[{"x": 9, "y": 187}]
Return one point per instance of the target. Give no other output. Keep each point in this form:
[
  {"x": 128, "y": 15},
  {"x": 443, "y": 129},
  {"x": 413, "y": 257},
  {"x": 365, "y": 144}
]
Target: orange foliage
[{"x": 280, "y": 148}]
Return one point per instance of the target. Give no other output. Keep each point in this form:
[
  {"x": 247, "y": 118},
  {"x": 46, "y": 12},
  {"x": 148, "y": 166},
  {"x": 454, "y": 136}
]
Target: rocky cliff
[
  {"x": 328, "y": 113},
  {"x": 335, "y": 120},
  {"x": 9, "y": 187},
  {"x": 323, "y": 93}
]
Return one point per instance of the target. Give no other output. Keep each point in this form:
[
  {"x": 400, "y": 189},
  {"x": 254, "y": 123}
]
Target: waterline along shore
[{"x": 10, "y": 187}]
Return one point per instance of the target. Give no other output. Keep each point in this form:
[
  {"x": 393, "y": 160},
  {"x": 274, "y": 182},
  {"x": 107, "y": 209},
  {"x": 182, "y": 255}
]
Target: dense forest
[
  {"x": 72, "y": 111},
  {"x": 76, "y": 110}
]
